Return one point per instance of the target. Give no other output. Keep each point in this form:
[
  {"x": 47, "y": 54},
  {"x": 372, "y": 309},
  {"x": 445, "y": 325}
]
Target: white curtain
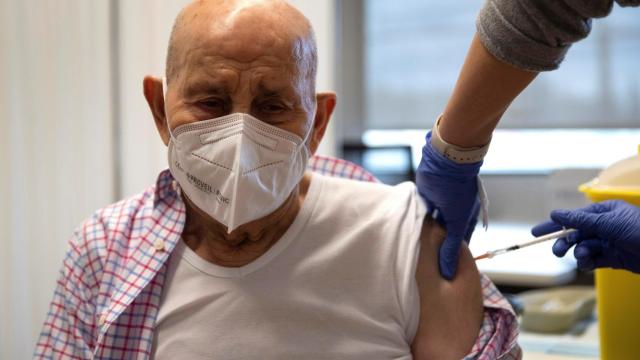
[
  {"x": 55, "y": 148},
  {"x": 75, "y": 131}
]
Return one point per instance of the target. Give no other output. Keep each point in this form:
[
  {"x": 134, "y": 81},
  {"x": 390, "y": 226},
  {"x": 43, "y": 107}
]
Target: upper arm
[
  {"x": 535, "y": 35},
  {"x": 69, "y": 325},
  {"x": 451, "y": 312}
]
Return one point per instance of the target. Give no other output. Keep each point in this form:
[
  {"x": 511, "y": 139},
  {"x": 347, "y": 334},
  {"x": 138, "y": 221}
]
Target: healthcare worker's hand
[
  {"x": 608, "y": 235},
  {"x": 452, "y": 190}
]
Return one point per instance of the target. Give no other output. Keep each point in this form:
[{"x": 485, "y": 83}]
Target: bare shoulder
[{"x": 451, "y": 312}]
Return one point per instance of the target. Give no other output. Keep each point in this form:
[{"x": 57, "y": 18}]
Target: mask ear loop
[
  {"x": 165, "y": 89},
  {"x": 306, "y": 143},
  {"x": 307, "y": 137}
]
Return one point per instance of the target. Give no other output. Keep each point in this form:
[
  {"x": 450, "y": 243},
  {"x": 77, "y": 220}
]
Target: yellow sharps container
[{"x": 618, "y": 291}]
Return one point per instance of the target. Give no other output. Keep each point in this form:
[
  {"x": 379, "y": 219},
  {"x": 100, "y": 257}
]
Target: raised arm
[
  {"x": 515, "y": 40},
  {"x": 485, "y": 88}
]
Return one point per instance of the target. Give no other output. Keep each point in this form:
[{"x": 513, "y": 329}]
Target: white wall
[{"x": 67, "y": 146}]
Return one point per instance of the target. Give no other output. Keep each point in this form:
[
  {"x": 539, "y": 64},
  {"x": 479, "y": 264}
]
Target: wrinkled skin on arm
[{"x": 451, "y": 312}]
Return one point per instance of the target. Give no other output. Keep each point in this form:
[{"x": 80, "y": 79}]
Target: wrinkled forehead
[
  {"x": 244, "y": 37},
  {"x": 243, "y": 50}
]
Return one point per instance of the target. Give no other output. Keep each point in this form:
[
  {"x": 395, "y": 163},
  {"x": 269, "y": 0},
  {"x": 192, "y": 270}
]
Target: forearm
[
  {"x": 484, "y": 90},
  {"x": 515, "y": 40}
]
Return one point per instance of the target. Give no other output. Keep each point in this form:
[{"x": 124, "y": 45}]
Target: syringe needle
[{"x": 543, "y": 238}]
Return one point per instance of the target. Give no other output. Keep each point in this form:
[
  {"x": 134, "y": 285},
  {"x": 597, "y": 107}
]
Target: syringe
[{"x": 539, "y": 239}]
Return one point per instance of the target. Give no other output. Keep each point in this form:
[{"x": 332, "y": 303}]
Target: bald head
[
  {"x": 247, "y": 29},
  {"x": 232, "y": 56}
]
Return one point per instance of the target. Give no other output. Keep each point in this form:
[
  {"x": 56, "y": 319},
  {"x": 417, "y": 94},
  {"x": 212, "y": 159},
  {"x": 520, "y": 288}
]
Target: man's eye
[
  {"x": 272, "y": 108},
  {"x": 212, "y": 103}
]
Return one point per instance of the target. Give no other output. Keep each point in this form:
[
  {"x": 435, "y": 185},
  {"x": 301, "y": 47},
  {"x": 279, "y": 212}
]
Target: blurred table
[{"x": 583, "y": 346}]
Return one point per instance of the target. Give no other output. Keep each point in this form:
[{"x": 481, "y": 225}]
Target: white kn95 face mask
[{"x": 236, "y": 168}]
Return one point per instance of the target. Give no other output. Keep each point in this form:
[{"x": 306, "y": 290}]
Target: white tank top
[{"x": 339, "y": 284}]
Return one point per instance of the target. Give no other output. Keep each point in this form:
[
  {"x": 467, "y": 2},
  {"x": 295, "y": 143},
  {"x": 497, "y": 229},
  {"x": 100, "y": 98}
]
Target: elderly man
[{"x": 237, "y": 252}]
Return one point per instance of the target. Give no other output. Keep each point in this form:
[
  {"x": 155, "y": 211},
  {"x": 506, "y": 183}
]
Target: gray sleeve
[{"x": 536, "y": 34}]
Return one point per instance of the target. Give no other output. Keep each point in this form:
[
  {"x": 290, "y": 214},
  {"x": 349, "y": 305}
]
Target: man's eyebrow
[
  {"x": 274, "y": 91},
  {"x": 207, "y": 87}
]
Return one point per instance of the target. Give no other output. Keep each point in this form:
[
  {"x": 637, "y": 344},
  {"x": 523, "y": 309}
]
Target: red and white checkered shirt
[{"x": 108, "y": 294}]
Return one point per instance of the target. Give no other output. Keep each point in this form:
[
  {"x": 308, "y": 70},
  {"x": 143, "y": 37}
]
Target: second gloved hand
[
  {"x": 608, "y": 235},
  {"x": 452, "y": 190}
]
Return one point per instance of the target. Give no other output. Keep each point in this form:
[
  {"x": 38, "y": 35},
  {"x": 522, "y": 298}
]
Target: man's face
[
  {"x": 255, "y": 57},
  {"x": 245, "y": 56},
  {"x": 231, "y": 69}
]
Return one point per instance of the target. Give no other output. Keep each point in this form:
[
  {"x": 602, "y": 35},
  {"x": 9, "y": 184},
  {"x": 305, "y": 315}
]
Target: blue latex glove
[
  {"x": 608, "y": 235},
  {"x": 452, "y": 190}
]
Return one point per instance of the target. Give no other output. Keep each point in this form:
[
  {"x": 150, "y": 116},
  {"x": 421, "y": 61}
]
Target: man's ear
[
  {"x": 154, "y": 93},
  {"x": 326, "y": 102}
]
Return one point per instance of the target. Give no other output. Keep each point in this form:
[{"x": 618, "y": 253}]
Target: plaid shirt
[{"x": 107, "y": 297}]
